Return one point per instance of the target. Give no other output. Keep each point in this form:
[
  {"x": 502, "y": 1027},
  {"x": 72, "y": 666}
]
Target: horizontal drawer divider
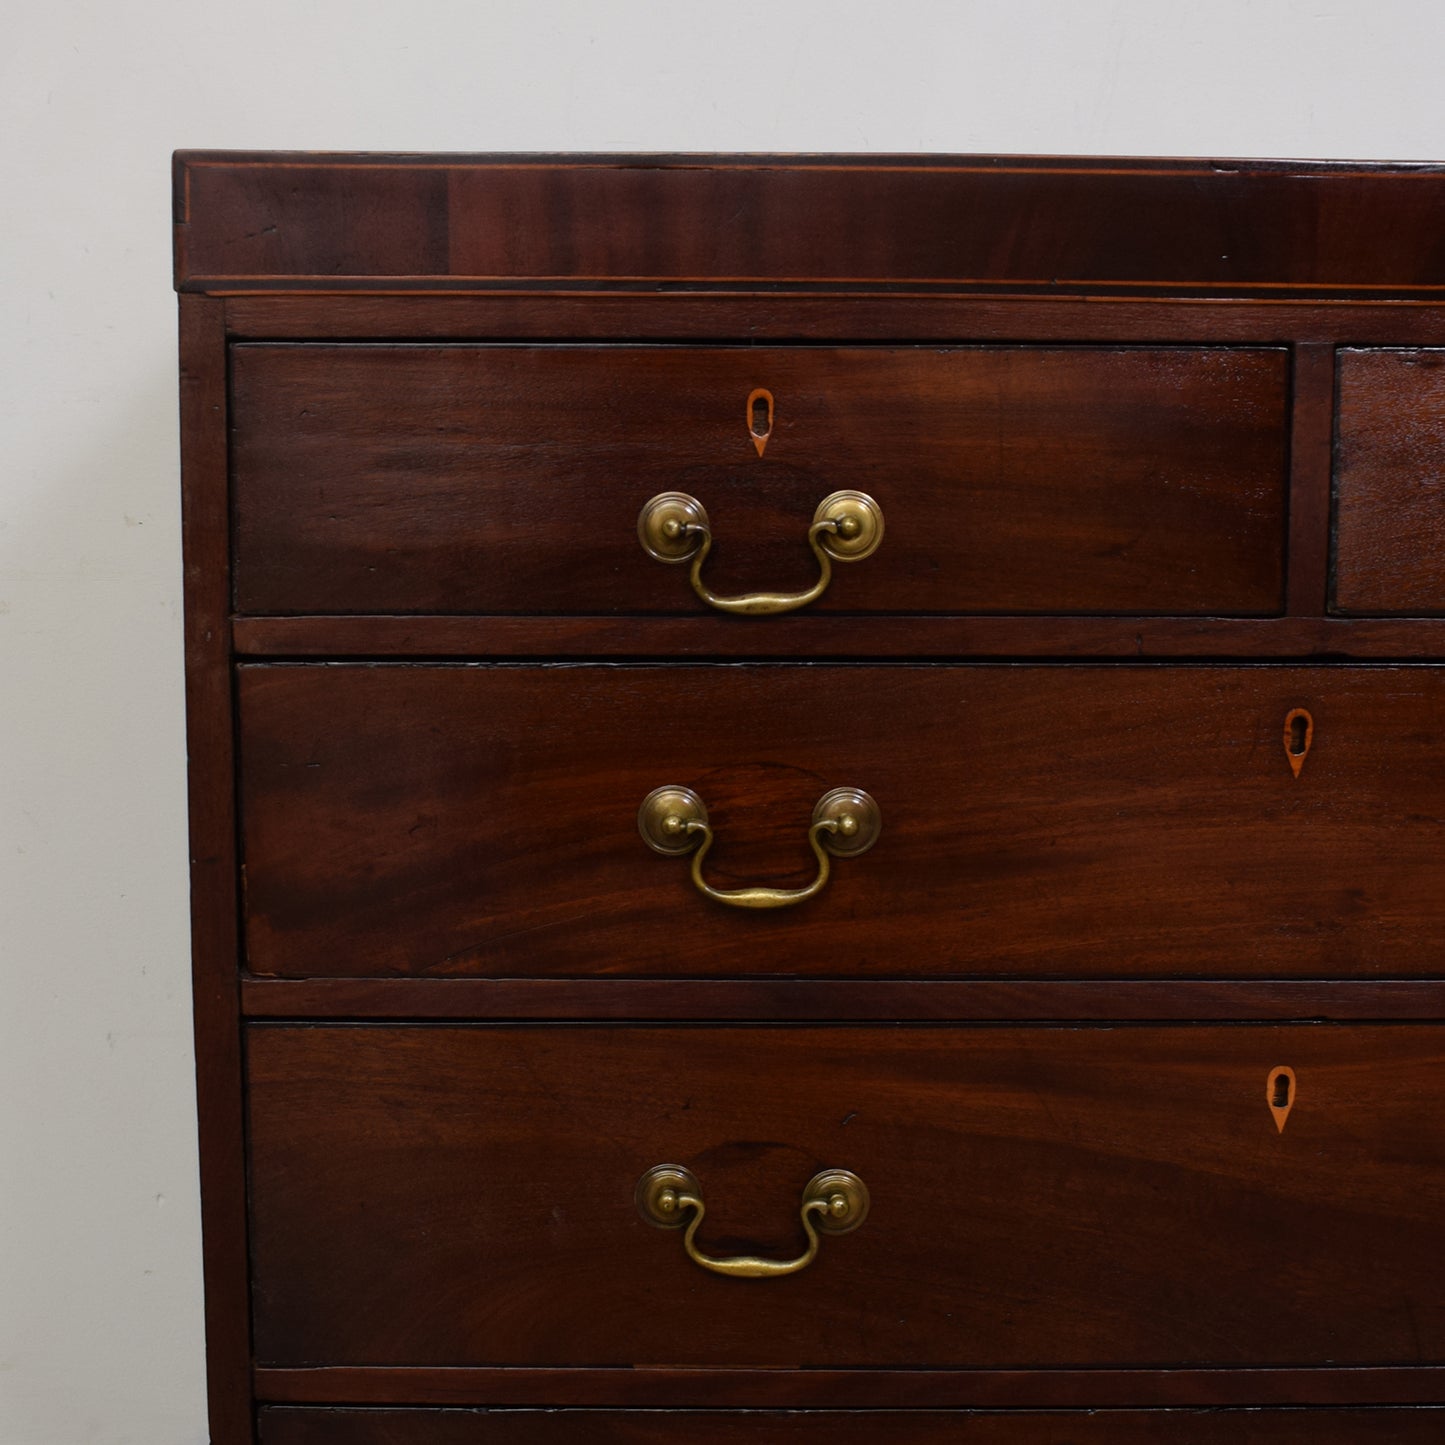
[
  {"x": 834, "y": 635},
  {"x": 829, "y": 319},
  {"x": 841, "y": 1389},
  {"x": 861, "y": 1000}
]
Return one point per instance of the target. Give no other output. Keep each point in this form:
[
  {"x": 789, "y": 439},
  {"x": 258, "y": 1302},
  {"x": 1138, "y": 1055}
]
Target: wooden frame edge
[{"x": 214, "y": 912}]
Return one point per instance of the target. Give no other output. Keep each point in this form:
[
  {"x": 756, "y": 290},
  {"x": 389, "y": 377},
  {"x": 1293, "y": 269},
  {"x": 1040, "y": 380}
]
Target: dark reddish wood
[
  {"x": 1151, "y": 1209},
  {"x": 853, "y": 999},
  {"x": 1099, "y": 821},
  {"x": 281, "y": 1426},
  {"x": 1311, "y": 439},
  {"x": 1072, "y": 1196},
  {"x": 800, "y": 635},
  {"x": 213, "y": 867},
  {"x": 785, "y": 316},
  {"x": 508, "y": 479},
  {"x": 1390, "y": 482},
  {"x": 328, "y": 222},
  {"x": 847, "y": 1389}
]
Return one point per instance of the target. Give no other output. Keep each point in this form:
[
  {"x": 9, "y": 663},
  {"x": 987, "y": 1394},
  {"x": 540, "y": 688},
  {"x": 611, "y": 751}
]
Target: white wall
[{"x": 99, "y": 1254}]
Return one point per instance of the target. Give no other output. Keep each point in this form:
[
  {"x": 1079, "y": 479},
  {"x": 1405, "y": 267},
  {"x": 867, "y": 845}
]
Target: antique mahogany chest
[{"x": 817, "y": 792}]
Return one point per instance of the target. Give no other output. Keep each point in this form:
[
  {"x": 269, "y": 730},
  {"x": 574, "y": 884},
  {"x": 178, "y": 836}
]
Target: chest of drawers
[{"x": 817, "y": 800}]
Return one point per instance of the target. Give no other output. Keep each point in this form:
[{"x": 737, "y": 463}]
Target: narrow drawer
[
  {"x": 509, "y": 479},
  {"x": 1079, "y": 821},
  {"x": 281, "y": 1426},
  {"x": 1038, "y": 1196},
  {"x": 1390, "y": 481}
]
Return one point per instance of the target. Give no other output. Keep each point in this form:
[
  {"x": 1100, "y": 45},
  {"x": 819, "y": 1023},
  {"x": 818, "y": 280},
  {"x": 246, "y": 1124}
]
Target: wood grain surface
[
  {"x": 1122, "y": 410},
  {"x": 628, "y": 1388},
  {"x": 1390, "y": 482},
  {"x": 281, "y": 1426},
  {"x": 272, "y": 221},
  {"x": 1101, "y": 821},
  {"x": 845, "y": 1000},
  {"x": 452, "y": 1196},
  {"x": 807, "y": 636},
  {"x": 509, "y": 479},
  {"x": 778, "y": 314},
  {"x": 214, "y": 868}
]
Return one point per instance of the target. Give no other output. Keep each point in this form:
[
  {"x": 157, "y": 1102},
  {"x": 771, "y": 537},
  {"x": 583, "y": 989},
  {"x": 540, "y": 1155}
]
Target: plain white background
[{"x": 100, "y": 1337}]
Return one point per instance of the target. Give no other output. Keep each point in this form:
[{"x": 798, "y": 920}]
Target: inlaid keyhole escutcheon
[
  {"x": 1299, "y": 733},
  {"x": 1280, "y": 1092},
  {"x": 760, "y": 417}
]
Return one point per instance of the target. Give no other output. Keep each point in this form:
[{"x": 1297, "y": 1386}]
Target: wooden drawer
[
  {"x": 1036, "y": 820},
  {"x": 509, "y": 479},
  {"x": 1040, "y": 1196},
  {"x": 280, "y": 1426},
  {"x": 1390, "y": 481}
]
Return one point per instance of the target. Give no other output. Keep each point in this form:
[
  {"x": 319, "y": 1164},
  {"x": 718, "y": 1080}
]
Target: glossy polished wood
[
  {"x": 509, "y": 478},
  {"x": 1037, "y": 821},
  {"x": 1072, "y": 1196},
  {"x": 907, "y": 1389},
  {"x": 822, "y": 637},
  {"x": 1111, "y": 999},
  {"x": 781, "y": 314},
  {"x": 213, "y": 867},
  {"x": 1311, "y": 434},
  {"x": 1390, "y": 482},
  {"x": 280, "y": 1426},
  {"x": 247, "y": 221},
  {"x": 1121, "y": 822}
]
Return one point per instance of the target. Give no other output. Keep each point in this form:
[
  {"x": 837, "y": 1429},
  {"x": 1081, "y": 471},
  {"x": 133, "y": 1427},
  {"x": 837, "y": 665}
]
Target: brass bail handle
[
  {"x": 835, "y": 1201},
  {"x": 847, "y": 526},
  {"x": 673, "y": 821}
]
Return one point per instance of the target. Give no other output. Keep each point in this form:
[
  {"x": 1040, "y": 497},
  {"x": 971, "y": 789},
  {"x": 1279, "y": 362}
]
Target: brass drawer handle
[
  {"x": 845, "y": 823},
  {"x": 847, "y": 526},
  {"x": 836, "y": 1199}
]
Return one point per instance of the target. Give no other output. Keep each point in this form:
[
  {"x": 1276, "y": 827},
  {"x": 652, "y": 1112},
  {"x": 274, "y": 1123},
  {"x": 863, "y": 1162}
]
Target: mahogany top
[{"x": 301, "y": 221}]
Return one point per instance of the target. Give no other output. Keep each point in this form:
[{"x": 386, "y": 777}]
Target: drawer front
[
  {"x": 1069, "y": 1196},
  {"x": 1103, "y": 821},
  {"x": 281, "y": 1426},
  {"x": 507, "y": 479},
  {"x": 1390, "y": 482}
]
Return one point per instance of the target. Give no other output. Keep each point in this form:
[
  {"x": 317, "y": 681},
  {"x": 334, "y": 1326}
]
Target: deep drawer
[
  {"x": 1390, "y": 482},
  {"x": 509, "y": 479},
  {"x": 1040, "y": 1196},
  {"x": 1036, "y": 820},
  {"x": 830, "y": 1427}
]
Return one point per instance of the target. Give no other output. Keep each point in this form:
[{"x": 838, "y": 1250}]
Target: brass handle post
[
  {"x": 847, "y": 526},
  {"x": 835, "y": 1201},
  {"x": 673, "y": 821}
]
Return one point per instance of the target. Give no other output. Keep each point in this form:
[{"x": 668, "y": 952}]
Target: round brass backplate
[
  {"x": 664, "y": 816},
  {"x": 657, "y": 1192},
  {"x": 860, "y": 525},
  {"x": 858, "y": 817},
  {"x": 664, "y": 523},
  {"x": 846, "y": 1196}
]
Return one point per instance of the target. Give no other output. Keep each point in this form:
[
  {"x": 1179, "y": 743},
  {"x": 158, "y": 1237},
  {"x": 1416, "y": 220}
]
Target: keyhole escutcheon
[
  {"x": 760, "y": 417},
  {"x": 1299, "y": 733},
  {"x": 1280, "y": 1092}
]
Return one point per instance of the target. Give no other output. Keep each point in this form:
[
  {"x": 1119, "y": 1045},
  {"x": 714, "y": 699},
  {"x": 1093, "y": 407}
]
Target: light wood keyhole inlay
[
  {"x": 760, "y": 417},
  {"x": 1299, "y": 733},
  {"x": 1280, "y": 1091}
]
